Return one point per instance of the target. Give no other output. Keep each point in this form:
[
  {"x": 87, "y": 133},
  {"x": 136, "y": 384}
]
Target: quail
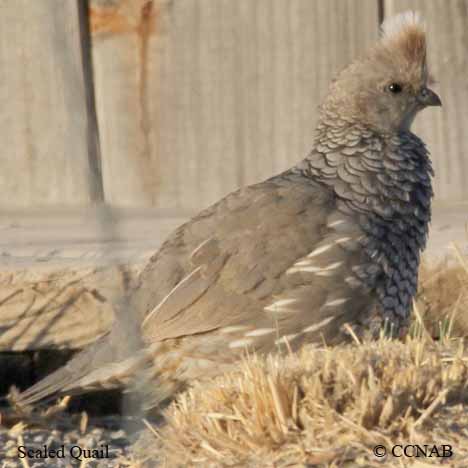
[{"x": 327, "y": 248}]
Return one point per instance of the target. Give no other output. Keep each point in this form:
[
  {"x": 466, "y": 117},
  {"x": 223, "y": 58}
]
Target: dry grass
[
  {"x": 330, "y": 407},
  {"x": 443, "y": 297}
]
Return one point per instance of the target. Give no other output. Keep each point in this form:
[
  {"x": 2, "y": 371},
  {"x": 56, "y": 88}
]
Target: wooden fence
[{"x": 173, "y": 103}]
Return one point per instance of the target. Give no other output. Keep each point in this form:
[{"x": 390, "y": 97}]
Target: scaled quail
[{"x": 330, "y": 245}]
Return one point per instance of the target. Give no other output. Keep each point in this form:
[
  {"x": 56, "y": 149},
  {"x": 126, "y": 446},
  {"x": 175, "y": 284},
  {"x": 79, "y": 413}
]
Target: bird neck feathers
[
  {"x": 370, "y": 172},
  {"x": 383, "y": 183}
]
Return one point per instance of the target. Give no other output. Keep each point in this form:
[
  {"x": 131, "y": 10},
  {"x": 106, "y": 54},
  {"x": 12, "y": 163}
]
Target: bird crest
[{"x": 404, "y": 38}]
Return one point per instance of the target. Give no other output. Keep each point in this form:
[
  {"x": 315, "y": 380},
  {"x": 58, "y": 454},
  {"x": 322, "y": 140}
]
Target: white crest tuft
[{"x": 395, "y": 25}]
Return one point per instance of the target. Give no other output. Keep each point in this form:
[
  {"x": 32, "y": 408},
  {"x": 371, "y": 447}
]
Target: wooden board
[
  {"x": 198, "y": 97},
  {"x": 44, "y": 124},
  {"x": 444, "y": 130}
]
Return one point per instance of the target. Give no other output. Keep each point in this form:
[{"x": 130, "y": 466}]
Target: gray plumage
[{"x": 334, "y": 241}]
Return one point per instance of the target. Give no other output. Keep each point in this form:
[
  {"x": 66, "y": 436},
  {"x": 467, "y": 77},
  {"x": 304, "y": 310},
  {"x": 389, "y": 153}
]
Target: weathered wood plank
[
  {"x": 444, "y": 130},
  {"x": 43, "y": 107},
  {"x": 198, "y": 97}
]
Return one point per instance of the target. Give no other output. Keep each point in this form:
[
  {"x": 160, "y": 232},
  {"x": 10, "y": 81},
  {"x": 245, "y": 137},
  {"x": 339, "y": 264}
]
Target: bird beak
[{"x": 427, "y": 97}]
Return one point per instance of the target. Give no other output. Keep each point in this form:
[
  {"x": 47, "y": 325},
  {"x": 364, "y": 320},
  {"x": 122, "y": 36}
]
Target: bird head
[{"x": 387, "y": 87}]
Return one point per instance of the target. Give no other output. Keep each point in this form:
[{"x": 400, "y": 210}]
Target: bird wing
[{"x": 245, "y": 250}]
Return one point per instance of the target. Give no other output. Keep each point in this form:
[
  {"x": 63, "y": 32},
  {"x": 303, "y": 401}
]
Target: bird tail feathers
[{"x": 76, "y": 377}]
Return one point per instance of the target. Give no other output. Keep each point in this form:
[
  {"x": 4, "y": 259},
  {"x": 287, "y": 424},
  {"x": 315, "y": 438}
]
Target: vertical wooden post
[
  {"x": 43, "y": 114},
  {"x": 95, "y": 182}
]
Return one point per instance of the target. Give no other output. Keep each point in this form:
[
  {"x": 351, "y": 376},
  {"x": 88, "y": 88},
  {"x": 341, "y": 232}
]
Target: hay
[
  {"x": 443, "y": 297},
  {"x": 319, "y": 406}
]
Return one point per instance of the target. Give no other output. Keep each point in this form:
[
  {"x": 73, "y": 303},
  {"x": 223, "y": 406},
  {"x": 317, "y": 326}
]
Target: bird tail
[{"x": 80, "y": 375}]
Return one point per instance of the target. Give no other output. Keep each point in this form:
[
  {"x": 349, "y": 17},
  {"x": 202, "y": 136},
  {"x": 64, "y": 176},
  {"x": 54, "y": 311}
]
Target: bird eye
[{"x": 395, "y": 88}]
